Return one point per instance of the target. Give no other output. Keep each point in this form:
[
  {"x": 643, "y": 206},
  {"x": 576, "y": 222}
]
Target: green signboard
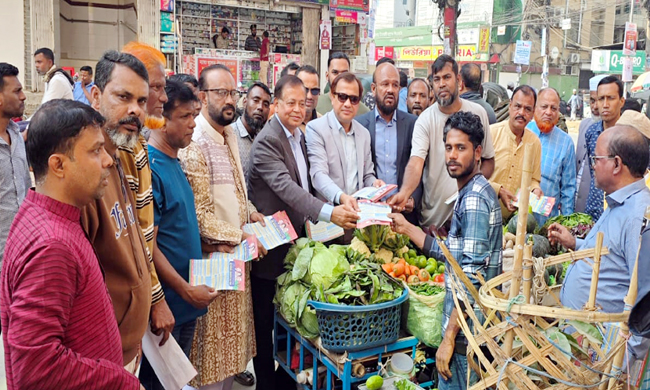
[
  {"x": 404, "y": 36},
  {"x": 611, "y": 61}
]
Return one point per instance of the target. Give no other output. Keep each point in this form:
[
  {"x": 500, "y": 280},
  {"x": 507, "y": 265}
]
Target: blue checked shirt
[
  {"x": 558, "y": 170},
  {"x": 595, "y": 199},
  {"x": 474, "y": 239}
]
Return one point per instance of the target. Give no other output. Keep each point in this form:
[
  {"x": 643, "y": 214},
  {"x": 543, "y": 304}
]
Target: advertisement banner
[
  {"x": 484, "y": 40},
  {"x": 522, "y": 52},
  {"x": 325, "y": 35},
  {"x": 627, "y": 70},
  {"x": 631, "y": 35},
  {"x": 346, "y": 16},
  {"x": 384, "y": 51},
  {"x": 465, "y": 53},
  {"x": 353, "y": 5},
  {"x": 612, "y": 61},
  {"x": 204, "y": 62}
]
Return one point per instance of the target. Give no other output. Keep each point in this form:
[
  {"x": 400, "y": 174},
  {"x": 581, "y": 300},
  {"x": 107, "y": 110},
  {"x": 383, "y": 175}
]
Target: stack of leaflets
[
  {"x": 323, "y": 231},
  {"x": 373, "y": 214},
  {"x": 374, "y": 194},
  {"x": 278, "y": 230},
  {"x": 224, "y": 271},
  {"x": 542, "y": 205}
]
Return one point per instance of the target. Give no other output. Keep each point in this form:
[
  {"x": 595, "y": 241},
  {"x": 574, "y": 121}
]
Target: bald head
[
  {"x": 384, "y": 70},
  {"x": 630, "y": 146},
  {"x": 470, "y": 74},
  {"x": 386, "y": 86}
]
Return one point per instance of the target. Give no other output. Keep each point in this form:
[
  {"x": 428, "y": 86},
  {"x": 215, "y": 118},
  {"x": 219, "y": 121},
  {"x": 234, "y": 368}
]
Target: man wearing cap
[
  {"x": 573, "y": 103},
  {"x": 640, "y": 122},
  {"x": 583, "y": 173}
]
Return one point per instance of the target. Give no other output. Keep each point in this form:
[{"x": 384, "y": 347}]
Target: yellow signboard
[
  {"x": 484, "y": 40},
  {"x": 465, "y": 53}
]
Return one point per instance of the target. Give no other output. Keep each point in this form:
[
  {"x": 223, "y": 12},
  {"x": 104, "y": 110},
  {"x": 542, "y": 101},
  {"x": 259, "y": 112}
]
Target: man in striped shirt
[
  {"x": 58, "y": 324},
  {"x": 135, "y": 162}
]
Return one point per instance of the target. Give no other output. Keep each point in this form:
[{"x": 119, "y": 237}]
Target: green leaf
[
  {"x": 560, "y": 339},
  {"x": 301, "y": 266},
  {"x": 575, "y": 346},
  {"x": 589, "y": 331}
]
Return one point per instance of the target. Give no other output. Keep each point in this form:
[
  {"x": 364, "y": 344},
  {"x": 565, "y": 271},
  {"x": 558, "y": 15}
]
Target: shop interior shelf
[{"x": 285, "y": 337}]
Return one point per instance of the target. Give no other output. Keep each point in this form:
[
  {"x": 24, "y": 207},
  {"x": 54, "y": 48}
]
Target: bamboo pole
[
  {"x": 595, "y": 270},
  {"x": 522, "y": 220},
  {"x": 528, "y": 271},
  {"x": 630, "y": 300}
]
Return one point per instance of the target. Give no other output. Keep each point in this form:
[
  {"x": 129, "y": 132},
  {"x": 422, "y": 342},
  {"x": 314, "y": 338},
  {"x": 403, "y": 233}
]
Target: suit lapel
[
  {"x": 334, "y": 131},
  {"x": 373, "y": 136},
  {"x": 358, "y": 142},
  {"x": 401, "y": 134},
  {"x": 292, "y": 166}
]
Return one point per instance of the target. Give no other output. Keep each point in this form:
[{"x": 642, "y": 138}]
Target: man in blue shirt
[
  {"x": 619, "y": 162},
  {"x": 610, "y": 102},
  {"x": 474, "y": 238},
  {"x": 403, "y": 85},
  {"x": 558, "y": 155},
  {"x": 176, "y": 229},
  {"x": 82, "y": 87}
]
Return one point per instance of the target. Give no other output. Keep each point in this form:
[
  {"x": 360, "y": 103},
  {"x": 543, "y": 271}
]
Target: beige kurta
[{"x": 224, "y": 341}]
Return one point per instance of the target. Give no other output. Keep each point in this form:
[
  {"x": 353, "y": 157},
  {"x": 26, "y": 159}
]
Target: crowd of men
[{"x": 143, "y": 173}]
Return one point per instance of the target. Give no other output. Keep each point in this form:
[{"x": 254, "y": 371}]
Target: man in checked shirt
[{"x": 474, "y": 238}]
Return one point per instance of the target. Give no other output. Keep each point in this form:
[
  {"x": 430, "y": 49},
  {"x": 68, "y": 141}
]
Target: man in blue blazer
[
  {"x": 390, "y": 131},
  {"x": 338, "y": 147}
]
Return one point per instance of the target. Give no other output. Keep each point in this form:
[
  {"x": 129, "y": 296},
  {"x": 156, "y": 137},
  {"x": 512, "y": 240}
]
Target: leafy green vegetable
[
  {"x": 301, "y": 266},
  {"x": 587, "y": 330},
  {"x": 426, "y": 289},
  {"x": 326, "y": 266},
  {"x": 373, "y": 236},
  {"x": 404, "y": 384}
]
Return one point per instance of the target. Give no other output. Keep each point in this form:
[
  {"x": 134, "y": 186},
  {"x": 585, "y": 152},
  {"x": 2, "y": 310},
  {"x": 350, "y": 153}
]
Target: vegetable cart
[{"x": 337, "y": 365}]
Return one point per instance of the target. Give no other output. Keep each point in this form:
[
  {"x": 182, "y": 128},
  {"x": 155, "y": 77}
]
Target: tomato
[{"x": 439, "y": 278}]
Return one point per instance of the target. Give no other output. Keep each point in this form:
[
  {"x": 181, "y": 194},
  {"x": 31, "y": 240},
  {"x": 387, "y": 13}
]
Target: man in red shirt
[
  {"x": 264, "y": 58},
  {"x": 58, "y": 324}
]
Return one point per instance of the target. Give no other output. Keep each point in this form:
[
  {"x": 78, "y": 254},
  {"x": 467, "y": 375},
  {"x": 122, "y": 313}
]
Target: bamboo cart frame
[{"x": 507, "y": 316}]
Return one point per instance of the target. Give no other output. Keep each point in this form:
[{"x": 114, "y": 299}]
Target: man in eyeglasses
[
  {"x": 338, "y": 147},
  {"x": 309, "y": 77},
  {"x": 391, "y": 131},
  {"x": 619, "y": 161}
]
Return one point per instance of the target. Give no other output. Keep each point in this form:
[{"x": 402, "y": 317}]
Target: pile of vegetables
[
  {"x": 336, "y": 275},
  {"x": 579, "y": 224},
  {"x": 379, "y": 244}
]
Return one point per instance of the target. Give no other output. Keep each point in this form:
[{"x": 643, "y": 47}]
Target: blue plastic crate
[{"x": 346, "y": 328}]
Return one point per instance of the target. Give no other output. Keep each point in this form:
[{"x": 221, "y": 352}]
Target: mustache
[
  {"x": 520, "y": 117},
  {"x": 227, "y": 106},
  {"x": 131, "y": 120}
]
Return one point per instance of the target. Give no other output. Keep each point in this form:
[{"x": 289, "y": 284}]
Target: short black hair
[
  {"x": 337, "y": 55},
  {"x": 347, "y": 77},
  {"x": 610, "y": 80},
  {"x": 177, "y": 93},
  {"x": 430, "y": 78},
  {"x": 204, "y": 74},
  {"x": 46, "y": 52},
  {"x": 471, "y": 76},
  {"x": 87, "y": 68},
  {"x": 632, "y": 149},
  {"x": 225, "y": 29},
  {"x": 6, "y": 70},
  {"x": 265, "y": 34},
  {"x": 54, "y": 128},
  {"x": 443, "y": 60},
  {"x": 468, "y": 123},
  {"x": 106, "y": 65},
  {"x": 285, "y": 82},
  {"x": 422, "y": 80},
  {"x": 631, "y": 104},
  {"x": 259, "y": 84},
  {"x": 289, "y": 67},
  {"x": 254, "y": 26},
  {"x": 384, "y": 60},
  {"x": 403, "y": 79},
  {"x": 526, "y": 90},
  {"x": 307, "y": 69},
  {"x": 185, "y": 78}
]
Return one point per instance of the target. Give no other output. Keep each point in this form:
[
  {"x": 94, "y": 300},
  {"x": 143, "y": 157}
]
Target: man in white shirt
[{"x": 58, "y": 83}]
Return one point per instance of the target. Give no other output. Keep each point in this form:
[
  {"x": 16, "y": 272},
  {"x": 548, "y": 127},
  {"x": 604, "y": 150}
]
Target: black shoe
[{"x": 245, "y": 379}]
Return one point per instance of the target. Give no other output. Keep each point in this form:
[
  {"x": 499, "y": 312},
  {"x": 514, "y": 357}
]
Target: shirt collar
[
  {"x": 286, "y": 131},
  {"x": 339, "y": 126},
  {"x": 242, "y": 128},
  {"x": 468, "y": 185},
  {"x": 619, "y": 196},
  {"x": 378, "y": 116},
  {"x": 61, "y": 209}
]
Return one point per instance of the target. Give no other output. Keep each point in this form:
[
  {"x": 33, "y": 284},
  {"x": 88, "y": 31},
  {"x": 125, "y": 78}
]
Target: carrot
[
  {"x": 398, "y": 269},
  {"x": 387, "y": 267},
  {"x": 414, "y": 270}
]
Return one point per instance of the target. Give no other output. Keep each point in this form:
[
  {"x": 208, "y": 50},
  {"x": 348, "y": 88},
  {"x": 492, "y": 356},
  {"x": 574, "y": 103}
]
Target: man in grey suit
[
  {"x": 278, "y": 179},
  {"x": 338, "y": 147},
  {"x": 391, "y": 131}
]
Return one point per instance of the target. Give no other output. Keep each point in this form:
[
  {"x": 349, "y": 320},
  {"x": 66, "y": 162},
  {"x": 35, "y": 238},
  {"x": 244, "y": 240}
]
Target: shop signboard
[
  {"x": 465, "y": 53},
  {"x": 352, "y": 5},
  {"x": 404, "y": 36},
  {"x": 611, "y": 61},
  {"x": 325, "y": 34},
  {"x": 522, "y": 52},
  {"x": 204, "y": 62},
  {"x": 484, "y": 40},
  {"x": 346, "y": 16},
  {"x": 384, "y": 51}
]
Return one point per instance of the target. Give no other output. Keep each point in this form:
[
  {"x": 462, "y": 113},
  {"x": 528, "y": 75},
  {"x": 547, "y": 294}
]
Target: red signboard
[
  {"x": 346, "y": 16},
  {"x": 204, "y": 62},
  {"x": 381, "y": 52},
  {"x": 354, "y": 5}
]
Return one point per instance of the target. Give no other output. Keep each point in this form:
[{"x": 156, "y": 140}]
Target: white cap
[{"x": 593, "y": 82}]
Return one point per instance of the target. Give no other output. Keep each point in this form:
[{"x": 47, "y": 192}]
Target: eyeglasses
[
  {"x": 594, "y": 159},
  {"x": 344, "y": 97},
  {"x": 314, "y": 91},
  {"x": 222, "y": 93}
]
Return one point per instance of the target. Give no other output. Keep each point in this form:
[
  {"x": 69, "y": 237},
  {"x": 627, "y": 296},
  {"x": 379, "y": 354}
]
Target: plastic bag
[{"x": 422, "y": 317}]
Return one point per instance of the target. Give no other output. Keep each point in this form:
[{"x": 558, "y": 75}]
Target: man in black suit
[
  {"x": 391, "y": 131},
  {"x": 278, "y": 179}
]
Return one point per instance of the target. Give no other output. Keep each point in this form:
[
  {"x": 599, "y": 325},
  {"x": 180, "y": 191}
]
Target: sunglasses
[
  {"x": 344, "y": 97},
  {"x": 314, "y": 91}
]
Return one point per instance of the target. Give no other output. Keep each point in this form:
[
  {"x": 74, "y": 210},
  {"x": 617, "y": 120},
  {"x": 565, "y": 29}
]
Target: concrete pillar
[
  {"x": 42, "y": 34},
  {"x": 310, "y": 35},
  {"x": 13, "y": 49},
  {"x": 149, "y": 22}
]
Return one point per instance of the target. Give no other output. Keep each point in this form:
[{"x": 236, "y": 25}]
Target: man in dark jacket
[
  {"x": 391, "y": 131},
  {"x": 470, "y": 77}
]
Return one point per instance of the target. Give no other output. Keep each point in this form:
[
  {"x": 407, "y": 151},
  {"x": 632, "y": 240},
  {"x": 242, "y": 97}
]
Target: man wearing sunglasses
[
  {"x": 619, "y": 162},
  {"x": 309, "y": 77},
  {"x": 391, "y": 131},
  {"x": 339, "y": 147},
  {"x": 337, "y": 63}
]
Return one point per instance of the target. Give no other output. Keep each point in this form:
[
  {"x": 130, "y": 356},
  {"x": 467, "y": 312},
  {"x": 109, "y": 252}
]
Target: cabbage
[{"x": 326, "y": 266}]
